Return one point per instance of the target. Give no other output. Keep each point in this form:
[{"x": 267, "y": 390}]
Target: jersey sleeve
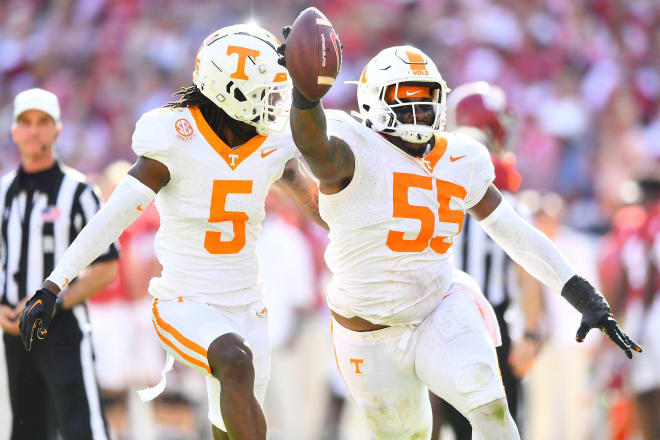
[
  {"x": 284, "y": 140},
  {"x": 482, "y": 174},
  {"x": 149, "y": 139},
  {"x": 343, "y": 126}
]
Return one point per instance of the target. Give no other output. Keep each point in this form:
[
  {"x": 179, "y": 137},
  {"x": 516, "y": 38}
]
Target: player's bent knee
[
  {"x": 231, "y": 358},
  {"x": 493, "y": 421},
  {"x": 496, "y": 412}
]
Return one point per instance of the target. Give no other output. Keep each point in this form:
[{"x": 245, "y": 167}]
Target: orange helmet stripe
[
  {"x": 415, "y": 58},
  {"x": 417, "y": 63}
]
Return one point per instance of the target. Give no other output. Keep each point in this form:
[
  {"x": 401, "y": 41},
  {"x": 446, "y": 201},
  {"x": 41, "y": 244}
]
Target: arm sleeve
[
  {"x": 90, "y": 203},
  {"x": 125, "y": 205},
  {"x": 528, "y": 247}
]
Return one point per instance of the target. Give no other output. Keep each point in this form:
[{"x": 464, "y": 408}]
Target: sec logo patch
[{"x": 184, "y": 129}]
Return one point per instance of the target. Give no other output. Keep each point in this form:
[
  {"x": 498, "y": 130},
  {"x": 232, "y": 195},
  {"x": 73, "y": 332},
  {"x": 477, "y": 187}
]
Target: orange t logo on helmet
[{"x": 243, "y": 53}]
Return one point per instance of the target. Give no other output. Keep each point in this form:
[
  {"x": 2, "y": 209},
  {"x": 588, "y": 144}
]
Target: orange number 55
[
  {"x": 402, "y": 182},
  {"x": 212, "y": 240}
]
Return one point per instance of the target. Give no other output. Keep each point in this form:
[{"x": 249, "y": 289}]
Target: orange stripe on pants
[
  {"x": 174, "y": 332},
  {"x": 183, "y": 355}
]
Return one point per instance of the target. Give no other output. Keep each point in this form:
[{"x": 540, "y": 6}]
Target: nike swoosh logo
[
  {"x": 34, "y": 305},
  {"x": 408, "y": 93},
  {"x": 266, "y": 153},
  {"x": 455, "y": 158},
  {"x": 139, "y": 208}
]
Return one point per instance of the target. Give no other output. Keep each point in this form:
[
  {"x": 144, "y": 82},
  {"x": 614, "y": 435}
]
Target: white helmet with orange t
[
  {"x": 402, "y": 79},
  {"x": 237, "y": 69}
]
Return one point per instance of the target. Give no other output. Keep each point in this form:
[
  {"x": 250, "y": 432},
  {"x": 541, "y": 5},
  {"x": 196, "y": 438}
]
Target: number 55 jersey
[
  {"x": 212, "y": 207},
  {"x": 392, "y": 227}
]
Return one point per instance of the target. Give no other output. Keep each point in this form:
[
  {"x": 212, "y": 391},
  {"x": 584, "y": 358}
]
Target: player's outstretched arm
[
  {"x": 330, "y": 158},
  {"x": 130, "y": 197},
  {"x": 532, "y": 250},
  {"x": 297, "y": 183},
  {"x": 127, "y": 201}
]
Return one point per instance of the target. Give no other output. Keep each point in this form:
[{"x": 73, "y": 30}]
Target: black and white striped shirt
[{"x": 42, "y": 213}]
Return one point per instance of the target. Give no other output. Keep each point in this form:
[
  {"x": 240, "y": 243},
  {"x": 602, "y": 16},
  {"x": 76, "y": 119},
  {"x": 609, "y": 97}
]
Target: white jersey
[
  {"x": 391, "y": 228},
  {"x": 212, "y": 208}
]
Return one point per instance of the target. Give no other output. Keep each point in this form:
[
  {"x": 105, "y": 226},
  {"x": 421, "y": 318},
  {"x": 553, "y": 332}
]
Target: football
[{"x": 313, "y": 53}]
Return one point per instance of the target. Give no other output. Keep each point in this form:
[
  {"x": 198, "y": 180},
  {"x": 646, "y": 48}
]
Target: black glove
[
  {"x": 36, "y": 316},
  {"x": 282, "y": 47},
  {"x": 596, "y": 313}
]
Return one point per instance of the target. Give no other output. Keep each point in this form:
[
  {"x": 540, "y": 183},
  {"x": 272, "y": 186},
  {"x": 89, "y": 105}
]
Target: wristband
[
  {"x": 301, "y": 102},
  {"x": 583, "y": 296}
]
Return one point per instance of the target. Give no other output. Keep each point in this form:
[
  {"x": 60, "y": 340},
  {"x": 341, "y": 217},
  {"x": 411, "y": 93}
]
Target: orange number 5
[
  {"x": 402, "y": 209},
  {"x": 447, "y": 215},
  {"x": 212, "y": 240}
]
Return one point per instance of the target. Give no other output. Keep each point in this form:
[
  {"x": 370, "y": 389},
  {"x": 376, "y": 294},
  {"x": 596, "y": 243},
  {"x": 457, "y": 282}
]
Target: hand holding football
[{"x": 313, "y": 54}]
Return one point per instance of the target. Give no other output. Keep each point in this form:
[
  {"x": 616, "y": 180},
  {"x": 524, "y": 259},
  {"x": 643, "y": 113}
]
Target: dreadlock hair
[{"x": 193, "y": 97}]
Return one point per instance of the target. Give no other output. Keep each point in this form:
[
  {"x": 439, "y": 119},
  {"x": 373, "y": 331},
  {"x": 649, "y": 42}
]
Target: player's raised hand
[
  {"x": 36, "y": 316},
  {"x": 596, "y": 313},
  {"x": 312, "y": 54}
]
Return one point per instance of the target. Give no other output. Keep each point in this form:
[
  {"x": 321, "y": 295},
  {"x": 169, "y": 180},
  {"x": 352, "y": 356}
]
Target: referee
[
  {"x": 44, "y": 205},
  {"x": 479, "y": 110}
]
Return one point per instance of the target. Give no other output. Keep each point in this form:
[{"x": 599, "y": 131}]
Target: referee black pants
[{"x": 54, "y": 387}]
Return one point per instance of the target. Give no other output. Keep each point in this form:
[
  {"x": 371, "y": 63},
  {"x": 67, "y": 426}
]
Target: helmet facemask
[
  {"x": 266, "y": 107},
  {"x": 413, "y": 121}
]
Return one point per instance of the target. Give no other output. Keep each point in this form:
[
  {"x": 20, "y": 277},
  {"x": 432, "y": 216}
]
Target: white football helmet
[
  {"x": 386, "y": 72},
  {"x": 237, "y": 69}
]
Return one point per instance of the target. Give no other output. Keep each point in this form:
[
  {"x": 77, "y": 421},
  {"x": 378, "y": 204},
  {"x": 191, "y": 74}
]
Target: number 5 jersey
[
  {"x": 212, "y": 208},
  {"x": 392, "y": 227}
]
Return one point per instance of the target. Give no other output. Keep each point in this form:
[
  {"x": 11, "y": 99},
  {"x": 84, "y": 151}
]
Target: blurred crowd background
[{"x": 583, "y": 80}]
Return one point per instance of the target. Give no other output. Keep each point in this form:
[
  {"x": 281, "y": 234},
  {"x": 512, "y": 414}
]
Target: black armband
[
  {"x": 583, "y": 296},
  {"x": 301, "y": 102}
]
